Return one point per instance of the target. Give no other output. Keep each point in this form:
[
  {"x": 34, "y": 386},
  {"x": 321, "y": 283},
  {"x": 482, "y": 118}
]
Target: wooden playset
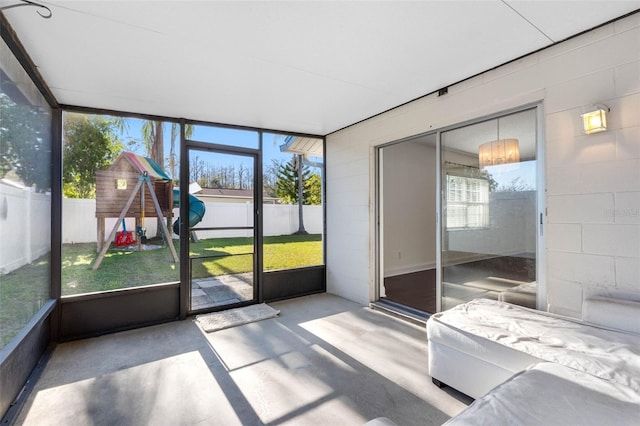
[{"x": 133, "y": 186}]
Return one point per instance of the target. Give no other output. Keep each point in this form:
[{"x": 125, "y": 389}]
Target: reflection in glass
[
  {"x": 408, "y": 182},
  {"x": 25, "y": 198},
  {"x": 489, "y": 211}
]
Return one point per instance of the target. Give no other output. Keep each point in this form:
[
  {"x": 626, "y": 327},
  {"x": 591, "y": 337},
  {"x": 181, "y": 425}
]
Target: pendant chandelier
[{"x": 501, "y": 151}]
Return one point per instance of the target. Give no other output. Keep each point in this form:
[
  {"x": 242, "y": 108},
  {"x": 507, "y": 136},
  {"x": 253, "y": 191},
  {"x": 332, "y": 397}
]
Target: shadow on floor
[{"x": 325, "y": 360}]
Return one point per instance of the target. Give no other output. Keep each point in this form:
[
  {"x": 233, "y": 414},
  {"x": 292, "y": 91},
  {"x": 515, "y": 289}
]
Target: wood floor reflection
[{"x": 416, "y": 290}]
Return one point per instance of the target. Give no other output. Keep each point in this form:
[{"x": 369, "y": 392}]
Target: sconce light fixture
[
  {"x": 595, "y": 119},
  {"x": 501, "y": 151}
]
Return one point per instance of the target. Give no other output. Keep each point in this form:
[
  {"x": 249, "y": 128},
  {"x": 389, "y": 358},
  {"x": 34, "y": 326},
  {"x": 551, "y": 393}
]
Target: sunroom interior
[{"x": 404, "y": 114}]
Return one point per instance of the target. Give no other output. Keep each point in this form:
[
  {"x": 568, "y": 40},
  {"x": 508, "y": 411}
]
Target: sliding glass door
[
  {"x": 407, "y": 207},
  {"x": 490, "y": 211}
]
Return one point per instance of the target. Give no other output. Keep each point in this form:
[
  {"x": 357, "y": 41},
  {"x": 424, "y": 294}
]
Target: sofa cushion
[
  {"x": 604, "y": 353},
  {"x": 551, "y": 394}
]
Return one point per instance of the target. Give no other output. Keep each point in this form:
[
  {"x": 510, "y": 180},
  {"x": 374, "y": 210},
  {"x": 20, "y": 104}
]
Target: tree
[
  {"x": 175, "y": 131},
  {"x": 153, "y": 140},
  {"x": 270, "y": 178},
  {"x": 314, "y": 190},
  {"x": 25, "y": 147},
  {"x": 297, "y": 185},
  {"x": 287, "y": 181},
  {"x": 89, "y": 145},
  {"x": 286, "y": 184},
  {"x": 517, "y": 184}
]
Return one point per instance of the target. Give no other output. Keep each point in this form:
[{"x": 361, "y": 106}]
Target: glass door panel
[
  {"x": 222, "y": 240},
  {"x": 407, "y": 226},
  {"x": 489, "y": 211}
]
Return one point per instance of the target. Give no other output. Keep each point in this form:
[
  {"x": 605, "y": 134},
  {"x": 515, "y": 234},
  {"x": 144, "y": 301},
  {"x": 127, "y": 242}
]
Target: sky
[
  {"x": 132, "y": 137},
  {"x": 504, "y": 174}
]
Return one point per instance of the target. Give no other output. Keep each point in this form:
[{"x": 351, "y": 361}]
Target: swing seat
[{"x": 124, "y": 238}]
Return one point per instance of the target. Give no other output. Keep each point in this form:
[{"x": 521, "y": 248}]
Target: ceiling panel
[
  {"x": 311, "y": 67},
  {"x": 562, "y": 19}
]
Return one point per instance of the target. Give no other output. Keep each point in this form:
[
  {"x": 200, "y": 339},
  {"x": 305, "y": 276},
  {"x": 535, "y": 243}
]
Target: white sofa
[
  {"x": 478, "y": 345},
  {"x": 552, "y": 394},
  {"x": 527, "y": 367}
]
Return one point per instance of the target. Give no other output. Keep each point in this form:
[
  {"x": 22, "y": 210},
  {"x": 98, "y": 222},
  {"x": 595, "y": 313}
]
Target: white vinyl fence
[
  {"x": 25, "y": 226},
  {"x": 79, "y": 223}
]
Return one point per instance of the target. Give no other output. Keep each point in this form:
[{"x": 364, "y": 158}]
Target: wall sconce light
[
  {"x": 501, "y": 151},
  {"x": 595, "y": 119}
]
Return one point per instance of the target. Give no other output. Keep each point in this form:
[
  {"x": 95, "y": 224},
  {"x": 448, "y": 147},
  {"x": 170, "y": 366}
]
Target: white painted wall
[
  {"x": 592, "y": 182},
  {"x": 409, "y": 203}
]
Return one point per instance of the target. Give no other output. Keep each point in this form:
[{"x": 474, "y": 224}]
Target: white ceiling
[{"x": 310, "y": 67}]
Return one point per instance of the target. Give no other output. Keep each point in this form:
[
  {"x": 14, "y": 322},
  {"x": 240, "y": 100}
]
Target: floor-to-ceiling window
[
  {"x": 293, "y": 221},
  {"x": 119, "y": 203},
  {"x": 27, "y": 296},
  {"x": 25, "y": 198},
  {"x": 293, "y": 215},
  {"x": 489, "y": 180}
]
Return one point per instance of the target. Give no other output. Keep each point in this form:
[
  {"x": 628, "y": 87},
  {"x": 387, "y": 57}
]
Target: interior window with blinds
[{"x": 467, "y": 202}]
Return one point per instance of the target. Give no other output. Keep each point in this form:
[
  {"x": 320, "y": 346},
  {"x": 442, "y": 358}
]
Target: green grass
[
  {"x": 122, "y": 269},
  {"x": 22, "y": 292}
]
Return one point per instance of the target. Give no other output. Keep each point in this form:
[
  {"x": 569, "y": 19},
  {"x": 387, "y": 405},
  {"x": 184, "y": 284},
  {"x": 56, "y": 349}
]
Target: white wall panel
[
  {"x": 564, "y": 180},
  {"x": 564, "y": 237},
  {"x": 626, "y": 78},
  {"x": 627, "y": 208},
  {"x": 612, "y": 176},
  {"x": 628, "y": 143},
  {"x": 628, "y": 273},
  {"x": 582, "y": 268},
  {"x": 611, "y": 239},
  {"x": 590, "y": 208}
]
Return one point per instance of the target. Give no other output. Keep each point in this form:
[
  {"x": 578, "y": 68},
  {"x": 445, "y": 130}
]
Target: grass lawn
[{"x": 23, "y": 291}]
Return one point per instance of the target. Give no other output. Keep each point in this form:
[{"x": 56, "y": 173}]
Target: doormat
[{"x": 234, "y": 317}]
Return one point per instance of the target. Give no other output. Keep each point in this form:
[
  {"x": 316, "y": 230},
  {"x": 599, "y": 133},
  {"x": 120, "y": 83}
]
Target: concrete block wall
[{"x": 592, "y": 181}]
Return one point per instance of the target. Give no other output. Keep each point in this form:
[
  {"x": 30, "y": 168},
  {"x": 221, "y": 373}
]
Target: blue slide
[{"x": 196, "y": 210}]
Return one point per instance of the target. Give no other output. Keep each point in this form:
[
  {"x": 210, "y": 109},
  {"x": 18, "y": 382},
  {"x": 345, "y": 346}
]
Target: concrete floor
[
  {"x": 221, "y": 290},
  {"x": 323, "y": 361}
]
